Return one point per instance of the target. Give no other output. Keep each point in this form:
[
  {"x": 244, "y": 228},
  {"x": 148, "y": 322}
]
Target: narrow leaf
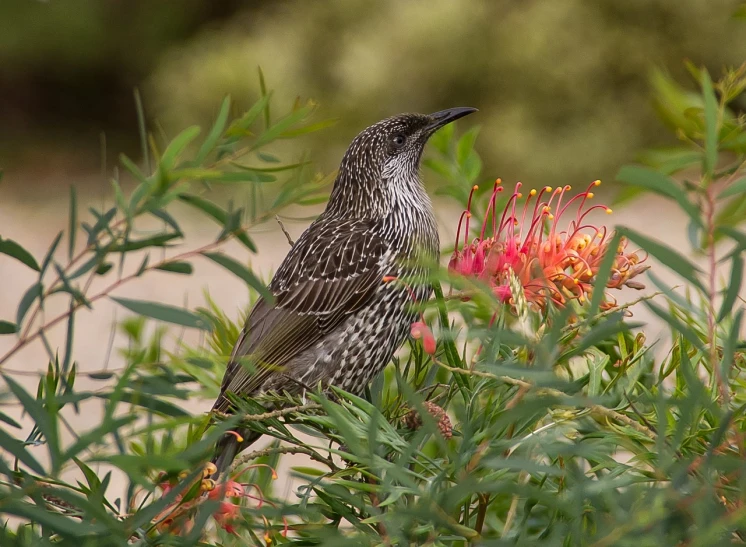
[
  {"x": 73, "y": 225},
  {"x": 177, "y": 146},
  {"x": 660, "y": 184},
  {"x": 667, "y": 256},
  {"x": 215, "y": 133},
  {"x": 6, "y": 327},
  {"x": 50, "y": 254},
  {"x": 11, "y": 248},
  {"x": 34, "y": 292},
  {"x": 176, "y": 267},
  {"x": 218, "y": 214},
  {"x": 734, "y": 287},
  {"x": 735, "y": 188},
  {"x": 163, "y": 312},
  {"x": 243, "y": 272}
]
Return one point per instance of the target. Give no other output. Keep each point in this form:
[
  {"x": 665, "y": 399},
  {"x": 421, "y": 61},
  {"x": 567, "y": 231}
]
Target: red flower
[
  {"x": 420, "y": 330},
  {"x": 554, "y": 266}
]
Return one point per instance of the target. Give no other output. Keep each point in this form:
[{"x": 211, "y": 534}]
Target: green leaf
[
  {"x": 731, "y": 293},
  {"x": 73, "y": 225},
  {"x": 164, "y": 312},
  {"x": 241, "y": 125},
  {"x": 215, "y": 133},
  {"x": 15, "y": 448},
  {"x": 177, "y": 146},
  {"x": 216, "y": 213},
  {"x": 275, "y": 169},
  {"x": 154, "y": 404},
  {"x": 660, "y": 184},
  {"x": 243, "y": 272},
  {"x": 11, "y": 248},
  {"x": 465, "y": 145},
  {"x": 34, "y": 292},
  {"x": 6, "y": 327},
  {"x": 8, "y": 420},
  {"x": 101, "y": 224},
  {"x": 711, "y": 125},
  {"x": 42, "y": 420},
  {"x": 176, "y": 267},
  {"x": 676, "y": 325},
  {"x": 54, "y": 522},
  {"x": 167, "y": 218},
  {"x": 50, "y": 253},
  {"x": 263, "y": 91},
  {"x": 275, "y": 132},
  {"x": 734, "y": 188},
  {"x": 666, "y": 255},
  {"x": 130, "y": 166},
  {"x": 246, "y": 175},
  {"x": 604, "y": 274},
  {"x": 729, "y": 348},
  {"x": 306, "y": 129},
  {"x": 159, "y": 240}
]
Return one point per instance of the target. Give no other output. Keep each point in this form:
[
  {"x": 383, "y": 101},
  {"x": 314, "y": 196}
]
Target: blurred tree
[
  {"x": 553, "y": 80},
  {"x": 68, "y": 68}
]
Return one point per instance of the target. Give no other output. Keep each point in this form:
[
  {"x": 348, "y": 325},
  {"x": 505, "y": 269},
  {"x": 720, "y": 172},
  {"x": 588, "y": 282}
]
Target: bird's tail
[{"x": 229, "y": 446}]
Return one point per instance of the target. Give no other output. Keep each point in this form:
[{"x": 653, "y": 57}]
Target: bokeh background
[{"x": 564, "y": 89}]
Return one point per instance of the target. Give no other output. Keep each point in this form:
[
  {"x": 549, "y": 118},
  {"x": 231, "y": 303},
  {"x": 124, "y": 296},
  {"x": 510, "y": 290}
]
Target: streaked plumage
[{"x": 334, "y": 319}]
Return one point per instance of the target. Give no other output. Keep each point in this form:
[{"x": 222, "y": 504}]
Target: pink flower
[
  {"x": 555, "y": 266},
  {"x": 419, "y": 330}
]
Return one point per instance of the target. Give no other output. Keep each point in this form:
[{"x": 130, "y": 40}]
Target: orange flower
[{"x": 550, "y": 264}]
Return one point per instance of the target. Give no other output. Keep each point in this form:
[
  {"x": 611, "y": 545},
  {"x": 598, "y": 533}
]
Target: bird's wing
[{"x": 331, "y": 272}]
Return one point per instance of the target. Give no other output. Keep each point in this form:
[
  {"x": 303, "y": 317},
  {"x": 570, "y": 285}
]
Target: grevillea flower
[
  {"x": 552, "y": 264},
  {"x": 178, "y": 517},
  {"x": 420, "y": 330}
]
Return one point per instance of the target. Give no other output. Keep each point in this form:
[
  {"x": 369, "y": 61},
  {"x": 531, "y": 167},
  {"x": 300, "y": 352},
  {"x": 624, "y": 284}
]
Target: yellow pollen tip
[
  {"x": 551, "y": 217},
  {"x": 468, "y": 214},
  {"x": 596, "y": 183},
  {"x": 239, "y": 438},
  {"x": 575, "y": 280},
  {"x": 475, "y": 187},
  {"x": 498, "y": 181},
  {"x": 590, "y": 195},
  {"x": 568, "y": 188},
  {"x": 608, "y": 211},
  {"x": 547, "y": 188},
  {"x": 532, "y": 193},
  {"x": 588, "y": 273},
  {"x": 546, "y": 209},
  {"x": 519, "y": 195},
  {"x": 599, "y": 235}
]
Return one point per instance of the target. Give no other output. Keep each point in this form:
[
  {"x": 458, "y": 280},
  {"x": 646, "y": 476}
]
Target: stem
[
  {"x": 712, "y": 295},
  {"x": 28, "y": 338}
]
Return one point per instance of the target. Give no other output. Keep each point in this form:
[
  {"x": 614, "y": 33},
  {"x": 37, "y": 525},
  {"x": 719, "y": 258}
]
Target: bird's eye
[{"x": 399, "y": 140}]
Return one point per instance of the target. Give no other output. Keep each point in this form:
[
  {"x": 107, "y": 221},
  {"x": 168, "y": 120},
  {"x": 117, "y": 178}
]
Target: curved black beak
[{"x": 444, "y": 117}]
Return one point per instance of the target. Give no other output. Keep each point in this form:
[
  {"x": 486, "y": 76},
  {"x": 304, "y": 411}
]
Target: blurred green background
[{"x": 563, "y": 86}]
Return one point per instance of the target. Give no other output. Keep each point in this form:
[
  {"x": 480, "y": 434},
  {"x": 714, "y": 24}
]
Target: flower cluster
[
  {"x": 178, "y": 517},
  {"x": 551, "y": 264}
]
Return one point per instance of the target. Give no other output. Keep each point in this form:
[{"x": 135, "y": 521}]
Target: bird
[{"x": 343, "y": 296}]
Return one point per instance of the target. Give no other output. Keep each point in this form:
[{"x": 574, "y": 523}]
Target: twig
[
  {"x": 273, "y": 414},
  {"x": 313, "y": 454},
  {"x": 284, "y": 231},
  {"x": 595, "y": 408}
]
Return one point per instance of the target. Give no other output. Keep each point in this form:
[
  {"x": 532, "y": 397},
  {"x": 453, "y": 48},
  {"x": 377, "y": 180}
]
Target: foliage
[{"x": 524, "y": 427}]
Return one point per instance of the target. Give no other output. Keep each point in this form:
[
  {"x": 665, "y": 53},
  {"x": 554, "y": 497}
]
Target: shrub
[{"x": 528, "y": 411}]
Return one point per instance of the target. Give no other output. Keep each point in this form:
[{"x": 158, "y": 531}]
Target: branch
[{"x": 284, "y": 231}]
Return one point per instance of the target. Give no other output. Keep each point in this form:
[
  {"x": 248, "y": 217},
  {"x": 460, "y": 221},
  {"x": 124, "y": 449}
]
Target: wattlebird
[{"x": 343, "y": 296}]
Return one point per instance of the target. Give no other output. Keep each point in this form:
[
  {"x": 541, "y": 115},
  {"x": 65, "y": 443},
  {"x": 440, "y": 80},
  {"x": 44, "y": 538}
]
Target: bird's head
[{"x": 385, "y": 157}]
